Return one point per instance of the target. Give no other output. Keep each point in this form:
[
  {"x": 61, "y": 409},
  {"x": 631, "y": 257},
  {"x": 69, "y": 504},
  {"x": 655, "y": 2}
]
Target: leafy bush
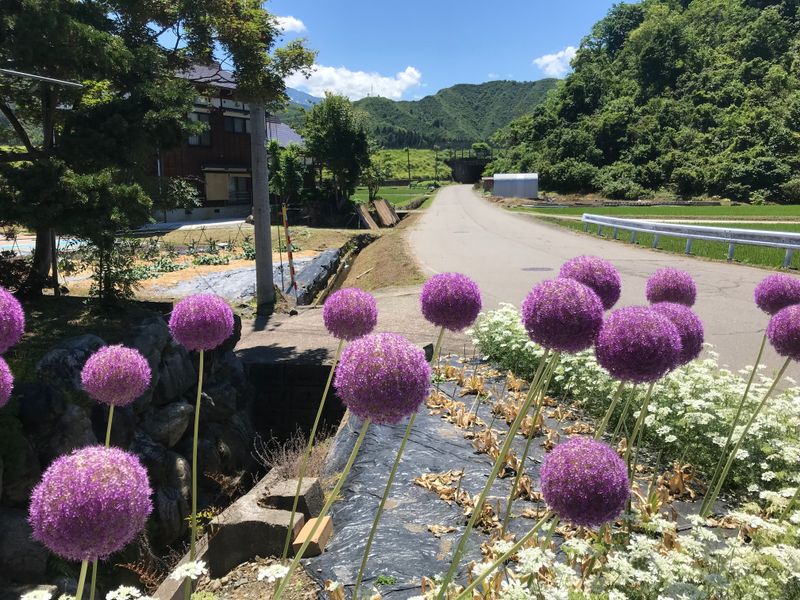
[
  {"x": 210, "y": 259},
  {"x": 690, "y": 408},
  {"x": 570, "y": 175}
]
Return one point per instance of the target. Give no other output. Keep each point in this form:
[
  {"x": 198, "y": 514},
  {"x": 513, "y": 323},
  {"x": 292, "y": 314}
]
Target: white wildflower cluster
[
  {"x": 127, "y": 592},
  {"x": 272, "y": 573},
  {"x": 37, "y": 595},
  {"x": 689, "y": 413},
  {"x": 192, "y": 570}
]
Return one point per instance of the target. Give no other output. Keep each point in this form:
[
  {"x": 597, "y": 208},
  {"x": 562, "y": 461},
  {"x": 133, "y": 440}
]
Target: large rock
[
  {"x": 218, "y": 402},
  {"x": 72, "y": 430},
  {"x": 153, "y": 457},
  {"x": 170, "y": 512},
  {"x": 177, "y": 374},
  {"x": 167, "y": 425},
  {"x": 150, "y": 338},
  {"x": 21, "y": 559},
  {"x": 40, "y": 406},
  {"x": 123, "y": 427},
  {"x": 22, "y": 473},
  {"x": 60, "y": 367}
]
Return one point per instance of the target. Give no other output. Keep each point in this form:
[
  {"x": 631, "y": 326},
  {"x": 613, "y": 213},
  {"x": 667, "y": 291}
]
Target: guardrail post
[
  {"x": 656, "y": 239},
  {"x": 688, "y": 245},
  {"x": 787, "y": 258},
  {"x": 600, "y": 230},
  {"x": 585, "y": 227},
  {"x": 633, "y": 237},
  {"x": 730, "y": 251},
  {"x": 614, "y": 233}
]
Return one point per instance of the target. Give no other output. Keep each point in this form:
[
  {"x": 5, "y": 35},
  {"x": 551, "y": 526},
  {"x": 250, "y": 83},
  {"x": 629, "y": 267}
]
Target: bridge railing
[{"x": 730, "y": 235}]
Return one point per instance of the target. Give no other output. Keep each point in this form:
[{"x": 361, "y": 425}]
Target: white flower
[
  {"x": 124, "y": 592},
  {"x": 37, "y": 595},
  {"x": 272, "y": 573},
  {"x": 192, "y": 570},
  {"x": 502, "y": 546},
  {"x": 481, "y": 569}
]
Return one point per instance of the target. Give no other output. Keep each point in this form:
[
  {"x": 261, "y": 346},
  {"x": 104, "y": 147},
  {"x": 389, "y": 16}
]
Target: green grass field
[
  {"x": 748, "y": 212},
  {"x": 751, "y": 255},
  {"x": 422, "y": 164},
  {"x": 396, "y": 195}
]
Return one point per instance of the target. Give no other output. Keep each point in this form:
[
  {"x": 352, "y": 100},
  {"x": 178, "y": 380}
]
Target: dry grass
[
  {"x": 304, "y": 238},
  {"x": 387, "y": 262},
  {"x": 285, "y": 458}
]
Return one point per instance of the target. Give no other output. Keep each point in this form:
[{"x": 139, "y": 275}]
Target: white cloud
[
  {"x": 556, "y": 65},
  {"x": 356, "y": 84},
  {"x": 288, "y": 24}
]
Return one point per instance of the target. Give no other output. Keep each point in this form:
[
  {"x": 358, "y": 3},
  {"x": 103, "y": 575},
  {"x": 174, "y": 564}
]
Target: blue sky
[{"x": 412, "y": 48}]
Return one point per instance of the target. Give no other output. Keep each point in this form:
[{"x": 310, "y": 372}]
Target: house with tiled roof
[{"x": 218, "y": 160}]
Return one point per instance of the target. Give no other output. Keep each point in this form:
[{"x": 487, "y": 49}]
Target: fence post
[
  {"x": 656, "y": 239},
  {"x": 600, "y": 230},
  {"x": 730, "y": 252},
  {"x": 787, "y": 259},
  {"x": 633, "y": 237},
  {"x": 614, "y": 232},
  {"x": 585, "y": 227},
  {"x": 688, "y": 245}
]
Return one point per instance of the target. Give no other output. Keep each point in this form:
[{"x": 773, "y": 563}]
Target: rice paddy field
[
  {"x": 751, "y": 255},
  {"x": 732, "y": 212}
]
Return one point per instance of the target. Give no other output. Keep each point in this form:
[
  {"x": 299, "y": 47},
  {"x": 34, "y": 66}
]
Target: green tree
[
  {"x": 335, "y": 136},
  {"x": 131, "y": 101},
  {"x": 374, "y": 175}
]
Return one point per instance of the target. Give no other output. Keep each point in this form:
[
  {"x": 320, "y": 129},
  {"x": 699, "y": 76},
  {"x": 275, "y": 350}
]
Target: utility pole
[
  {"x": 408, "y": 158},
  {"x": 265, "y": 289}
]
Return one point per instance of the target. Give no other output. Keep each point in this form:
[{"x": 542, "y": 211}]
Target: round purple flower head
[
  {"x": 562, "y": 314},
  {"x": 6, "y": 383},
  {"x": 777, "y": 291},
  {"x": 783, "y": 331},
  {"x": 671, "y": 285},
  {"x": 116, "y": 375},
  {"x": 638, "y": 344},
  {"x": 201, "y": 322},
  {"x": 584, "y": 482},
  {"x": 91, "y": 503},
  {"x": 383, "y": 377},
  {"x": 689, "y": 326},
  {"x": 350, "y": 313},
  {"x": 12, "y": 320},
  {"x": 451, "y": 300},
  {"x": 598, "y": 274}
]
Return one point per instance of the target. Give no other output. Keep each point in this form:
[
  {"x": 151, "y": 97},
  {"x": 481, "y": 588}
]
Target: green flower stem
[
  {"x": 187, "y": 587},
  {"x": 727, "y": 446},
  {"x": 331, "y": 499},
  {"x": 94, "y": 579},
  {"x": 551, "y": 531},
  {"x": 790, "y": 506},
  {"x": 108, "y": 427},
  {"x": 624, "y": 415},
  {"x": 601, "y": 429},
  {"x": 309, "y": 448},
  {"x": 548, "y": 375},
  {"x": 637, "y": 428},
  {"x": 478, "y": 508},
  {"x": 390, "y": 480},
  {"x": 732, "y": 455},
  {"x": 467, "y": 593},
  {"x": 81, "y": 580}
]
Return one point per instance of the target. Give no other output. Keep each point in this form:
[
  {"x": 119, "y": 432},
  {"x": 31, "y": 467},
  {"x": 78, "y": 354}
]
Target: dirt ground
[
  {"x": 387, "y": 262},
  {"x": 242, "y": 584}
]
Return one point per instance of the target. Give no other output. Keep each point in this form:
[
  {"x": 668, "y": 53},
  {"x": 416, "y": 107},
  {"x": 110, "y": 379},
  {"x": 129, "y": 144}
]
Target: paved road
[{"x": 507, "y": 253}]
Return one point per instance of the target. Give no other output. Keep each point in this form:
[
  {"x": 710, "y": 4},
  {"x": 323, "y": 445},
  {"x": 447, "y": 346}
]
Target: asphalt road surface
[{"x": 508, "y": 253}]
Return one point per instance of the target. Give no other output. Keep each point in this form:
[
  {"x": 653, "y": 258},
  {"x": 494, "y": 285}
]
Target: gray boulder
[
  {"x": 21, "y": 559},
  {"x": 218, "y": 402},
  {"x": 170, "y": 511},
  {"x": 122, "y": 429},
  {"x": 177, "y": 374},
  {"x": 60, "y": 367},
  {"x": 20, "y": 477},
  {"x": 72, "y": 430},
  {"x": 167, "y": 425}
]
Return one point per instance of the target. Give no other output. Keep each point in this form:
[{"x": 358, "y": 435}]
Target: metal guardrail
[{"x": 732, "y": 236}]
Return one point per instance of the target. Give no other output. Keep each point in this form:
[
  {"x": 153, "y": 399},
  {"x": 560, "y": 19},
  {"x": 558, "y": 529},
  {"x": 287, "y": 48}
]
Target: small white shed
[{"x": 516, "y": 185}]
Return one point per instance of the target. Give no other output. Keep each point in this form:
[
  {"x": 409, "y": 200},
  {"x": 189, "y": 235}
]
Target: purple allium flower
[
  {"x": 383, "y": 377},
  {"x": 6, "y": 383},
  {"x": 638, "y": 344},
  {"x": 451, "y": 300},
  {"x": 350, "y": 313},
  {"x": 562, "y": 314},
  {"x": 671, "y": 285},
  {"x": 783, "y": 331},
  {"x": 777, "y": 291},
  {"x": 12, "y": 320},
  {"x": 201, "y": 322},
  {"x": 116, "y": 375},
  {"x": 598, "y": 274},
  {"x": 584, "y": 482},
  {"x": 689, "y": 326},
  {"x": 91, "y": 503}
]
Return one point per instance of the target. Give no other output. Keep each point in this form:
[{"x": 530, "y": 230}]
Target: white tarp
[{"x": 516, "y": 185}]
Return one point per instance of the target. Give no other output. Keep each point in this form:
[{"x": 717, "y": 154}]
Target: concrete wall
[{"x": 203, "y": 213}]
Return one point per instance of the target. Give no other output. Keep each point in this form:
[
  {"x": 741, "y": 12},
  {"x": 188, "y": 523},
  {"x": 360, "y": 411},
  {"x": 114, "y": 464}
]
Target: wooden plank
[
  {"x": 384, "y": 214},
  {"x": 366, "y": 218}
]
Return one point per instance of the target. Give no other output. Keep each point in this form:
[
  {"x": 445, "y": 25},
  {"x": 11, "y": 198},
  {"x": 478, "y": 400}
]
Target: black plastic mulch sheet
[{"x": 404, "y": 548}]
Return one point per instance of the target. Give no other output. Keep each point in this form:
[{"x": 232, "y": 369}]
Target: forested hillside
[
  {"x": 691, "y": 97},
  {"x": 453, "y": 117}
]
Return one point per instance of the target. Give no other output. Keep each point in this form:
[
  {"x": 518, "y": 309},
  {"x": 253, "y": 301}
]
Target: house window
[
  {"x": 237, "y": 125},
  {"x": 204, "y": 139},
  {"x": 239, "y": 190}
]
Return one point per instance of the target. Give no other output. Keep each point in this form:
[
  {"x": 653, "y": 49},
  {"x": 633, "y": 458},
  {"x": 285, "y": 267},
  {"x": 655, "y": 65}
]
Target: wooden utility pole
[
  {"x": 408, "y": 157},
  {"x": 265, "y": 289}
]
